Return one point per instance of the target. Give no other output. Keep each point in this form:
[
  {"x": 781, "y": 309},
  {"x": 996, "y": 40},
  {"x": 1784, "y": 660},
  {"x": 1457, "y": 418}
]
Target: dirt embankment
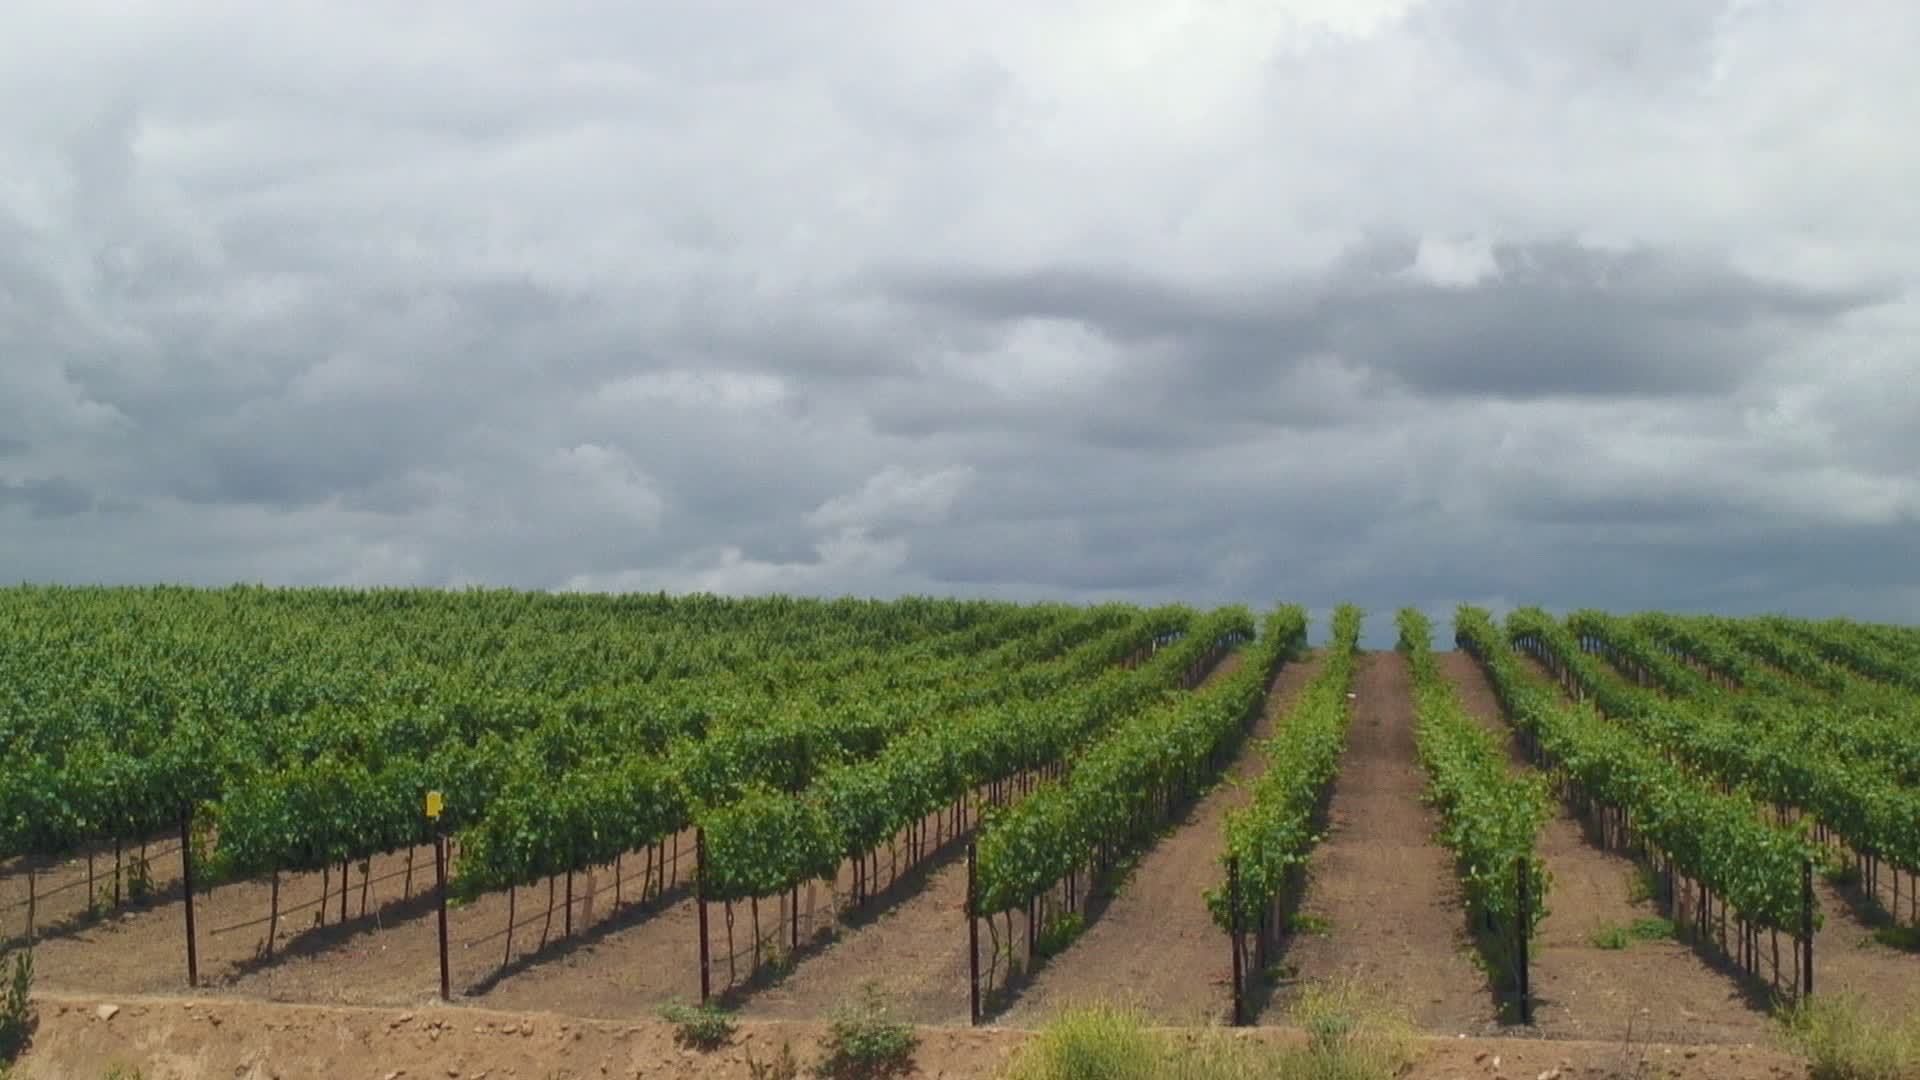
[{"x": 191, "y": 1038}]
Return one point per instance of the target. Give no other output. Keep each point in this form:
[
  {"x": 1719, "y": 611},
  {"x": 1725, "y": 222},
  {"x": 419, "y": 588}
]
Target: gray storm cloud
[{"x": 1400, "y": 302}]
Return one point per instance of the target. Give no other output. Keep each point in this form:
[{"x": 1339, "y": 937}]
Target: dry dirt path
[
  {"x": 1156, "y": 943},
  {"x": 1847, "y": 957},
  {"x": 911, "y": 942},
  {"x": 388, "y": 955},
  {"x": 1383, "y": 887},
  {"x": 913, "y": 948},
  {"x": 188, "y": 1038},
  {"x": 1659, "y": 990}
]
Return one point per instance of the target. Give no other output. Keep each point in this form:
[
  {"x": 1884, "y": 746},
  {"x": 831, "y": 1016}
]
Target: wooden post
[
  {"x": 1806, "y": 928},
  {"x": 440, "y": 888},
  {"x": 1235, "y": 938},
  {"x": 1524, "y": 908},
  {"x": 569, "y": 919},
  {"x": 273, "y": 913},
  {"x": 1033, "y": 948},
  {"x": 973, "y": 932},
  {"x": 700, "y": 892},
  {"x": 186, "y": 875}
]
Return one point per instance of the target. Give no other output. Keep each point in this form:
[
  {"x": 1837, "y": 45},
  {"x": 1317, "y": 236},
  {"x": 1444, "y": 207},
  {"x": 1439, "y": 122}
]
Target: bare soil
[
  {"x": 1659, "y": 990},
  {"x": 1380, "y": 885},
  {"x": 1848, "y": 958},
  {"x": 1156, "y": 944},
  {"x": 188, "y": 1038},
  {"x": 388, "y": 956}
]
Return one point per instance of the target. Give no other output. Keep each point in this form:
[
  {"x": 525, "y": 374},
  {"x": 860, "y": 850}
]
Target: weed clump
[
  {"x": 1845, "y": 1043},
  {"x": 1352, "y": 1034},
  {"x": 863, "y": 1042},
  {"x": 700, "y": 1027}
]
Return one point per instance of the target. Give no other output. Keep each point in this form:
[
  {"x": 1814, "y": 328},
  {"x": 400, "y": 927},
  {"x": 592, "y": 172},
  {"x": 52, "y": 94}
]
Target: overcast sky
[{"x": 1400, "y": 302}]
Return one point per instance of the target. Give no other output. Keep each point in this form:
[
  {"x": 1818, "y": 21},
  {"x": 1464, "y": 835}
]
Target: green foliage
[
  {"x": 1353, "y": 1034},
  {"x": 1271, "y": 836},
  {"x": 1840, "y": 871},
  {"x": 1610, "y": 937},
  {"x": 1643, "y": 887},
  {"x": 118, "y": 1071},
  {"x": 303, "y": 726},
  {"x": 1026, "y": 717},
  {"x": 1621, "y": 937},
  {"x": 16, "y": 1006},
  {"x": 1651, "y": 928},
  {"x": 1162, "y": 744},
  {"x": 1058, "y": 932},
  {"x": 862, "y": 1042},
  {"x": 1098, "y": 1041},
  {"x": 1904, "y": 938},
  {"x": 702, "y": 1027},
  {"x": 1853, "y": 773},
  {"x": 139, "y": 879},
  {"x": 1490, "y": 816},
  {"x": 1714, "y": 837},
  {"x": 1845, "y": 1042},
  {"x": 1302, "y": 923}
]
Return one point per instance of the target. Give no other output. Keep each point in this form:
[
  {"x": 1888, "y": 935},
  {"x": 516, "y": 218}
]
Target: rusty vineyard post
[
  {"x": 186, "y": 876},
  {"x": 973, "y": 934},
  {"x": 440, "y": 901},
  {"x": 435, "y": 804},
  {"x": 1523, "y": 923},
  {"x": 700, "y": 895},
  {"x": 1806, "y": 928},
  {"x": 1234, "y": 937}
]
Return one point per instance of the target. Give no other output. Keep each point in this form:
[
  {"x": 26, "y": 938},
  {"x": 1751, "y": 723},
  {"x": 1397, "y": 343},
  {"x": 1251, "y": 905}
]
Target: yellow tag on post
[{"x": 434, "y": 804}]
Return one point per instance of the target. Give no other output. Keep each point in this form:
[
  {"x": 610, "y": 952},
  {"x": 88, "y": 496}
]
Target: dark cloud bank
[{"x": 1399, "y": 303}]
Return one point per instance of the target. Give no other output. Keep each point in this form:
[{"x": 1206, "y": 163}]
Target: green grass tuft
[
  {"x": 1845, "y": 1043},
  {"x": 701, "y": 1027},
  {"x": 1651, "y": 929},
  {"x": 1610, "y": 937},
  {"x": 1100, "y": 1041},
  {"x": 1352, "y": 1034}
]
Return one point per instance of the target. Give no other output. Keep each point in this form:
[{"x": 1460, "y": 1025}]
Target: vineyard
[{"x": 1569, "y": 826}]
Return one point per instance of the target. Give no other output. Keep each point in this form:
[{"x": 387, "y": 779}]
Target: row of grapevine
[
  {"x": 741, "y": 776},
  {"x": 1490, "y": 816},
  {"x": 1718, "y": 840},
  {"x": 1859, "y": 717},
  {"x": 121, "y": 708},
  {"x": 772, "y": 841},
  {"x": 297, "y": 730},
  {"x": 1888, "y": 659},
  {"x": 1710, "y": 648},
  {"x": 1786, "y": 754},
  {"x": 1268, "y": 839},
  {"x": 1147, "y": 760}
]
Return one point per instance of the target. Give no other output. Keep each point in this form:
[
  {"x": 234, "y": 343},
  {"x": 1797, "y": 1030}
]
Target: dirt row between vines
[
  {"x": 913, "y": 948},
  {"x": 82, "y": 1037},
  {"x": 1156, "y": 944},
  {"x": 1382, "y": 905},
  {"x": 1847, "y": 957},
  {"x": 1659, "y": 990}
]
